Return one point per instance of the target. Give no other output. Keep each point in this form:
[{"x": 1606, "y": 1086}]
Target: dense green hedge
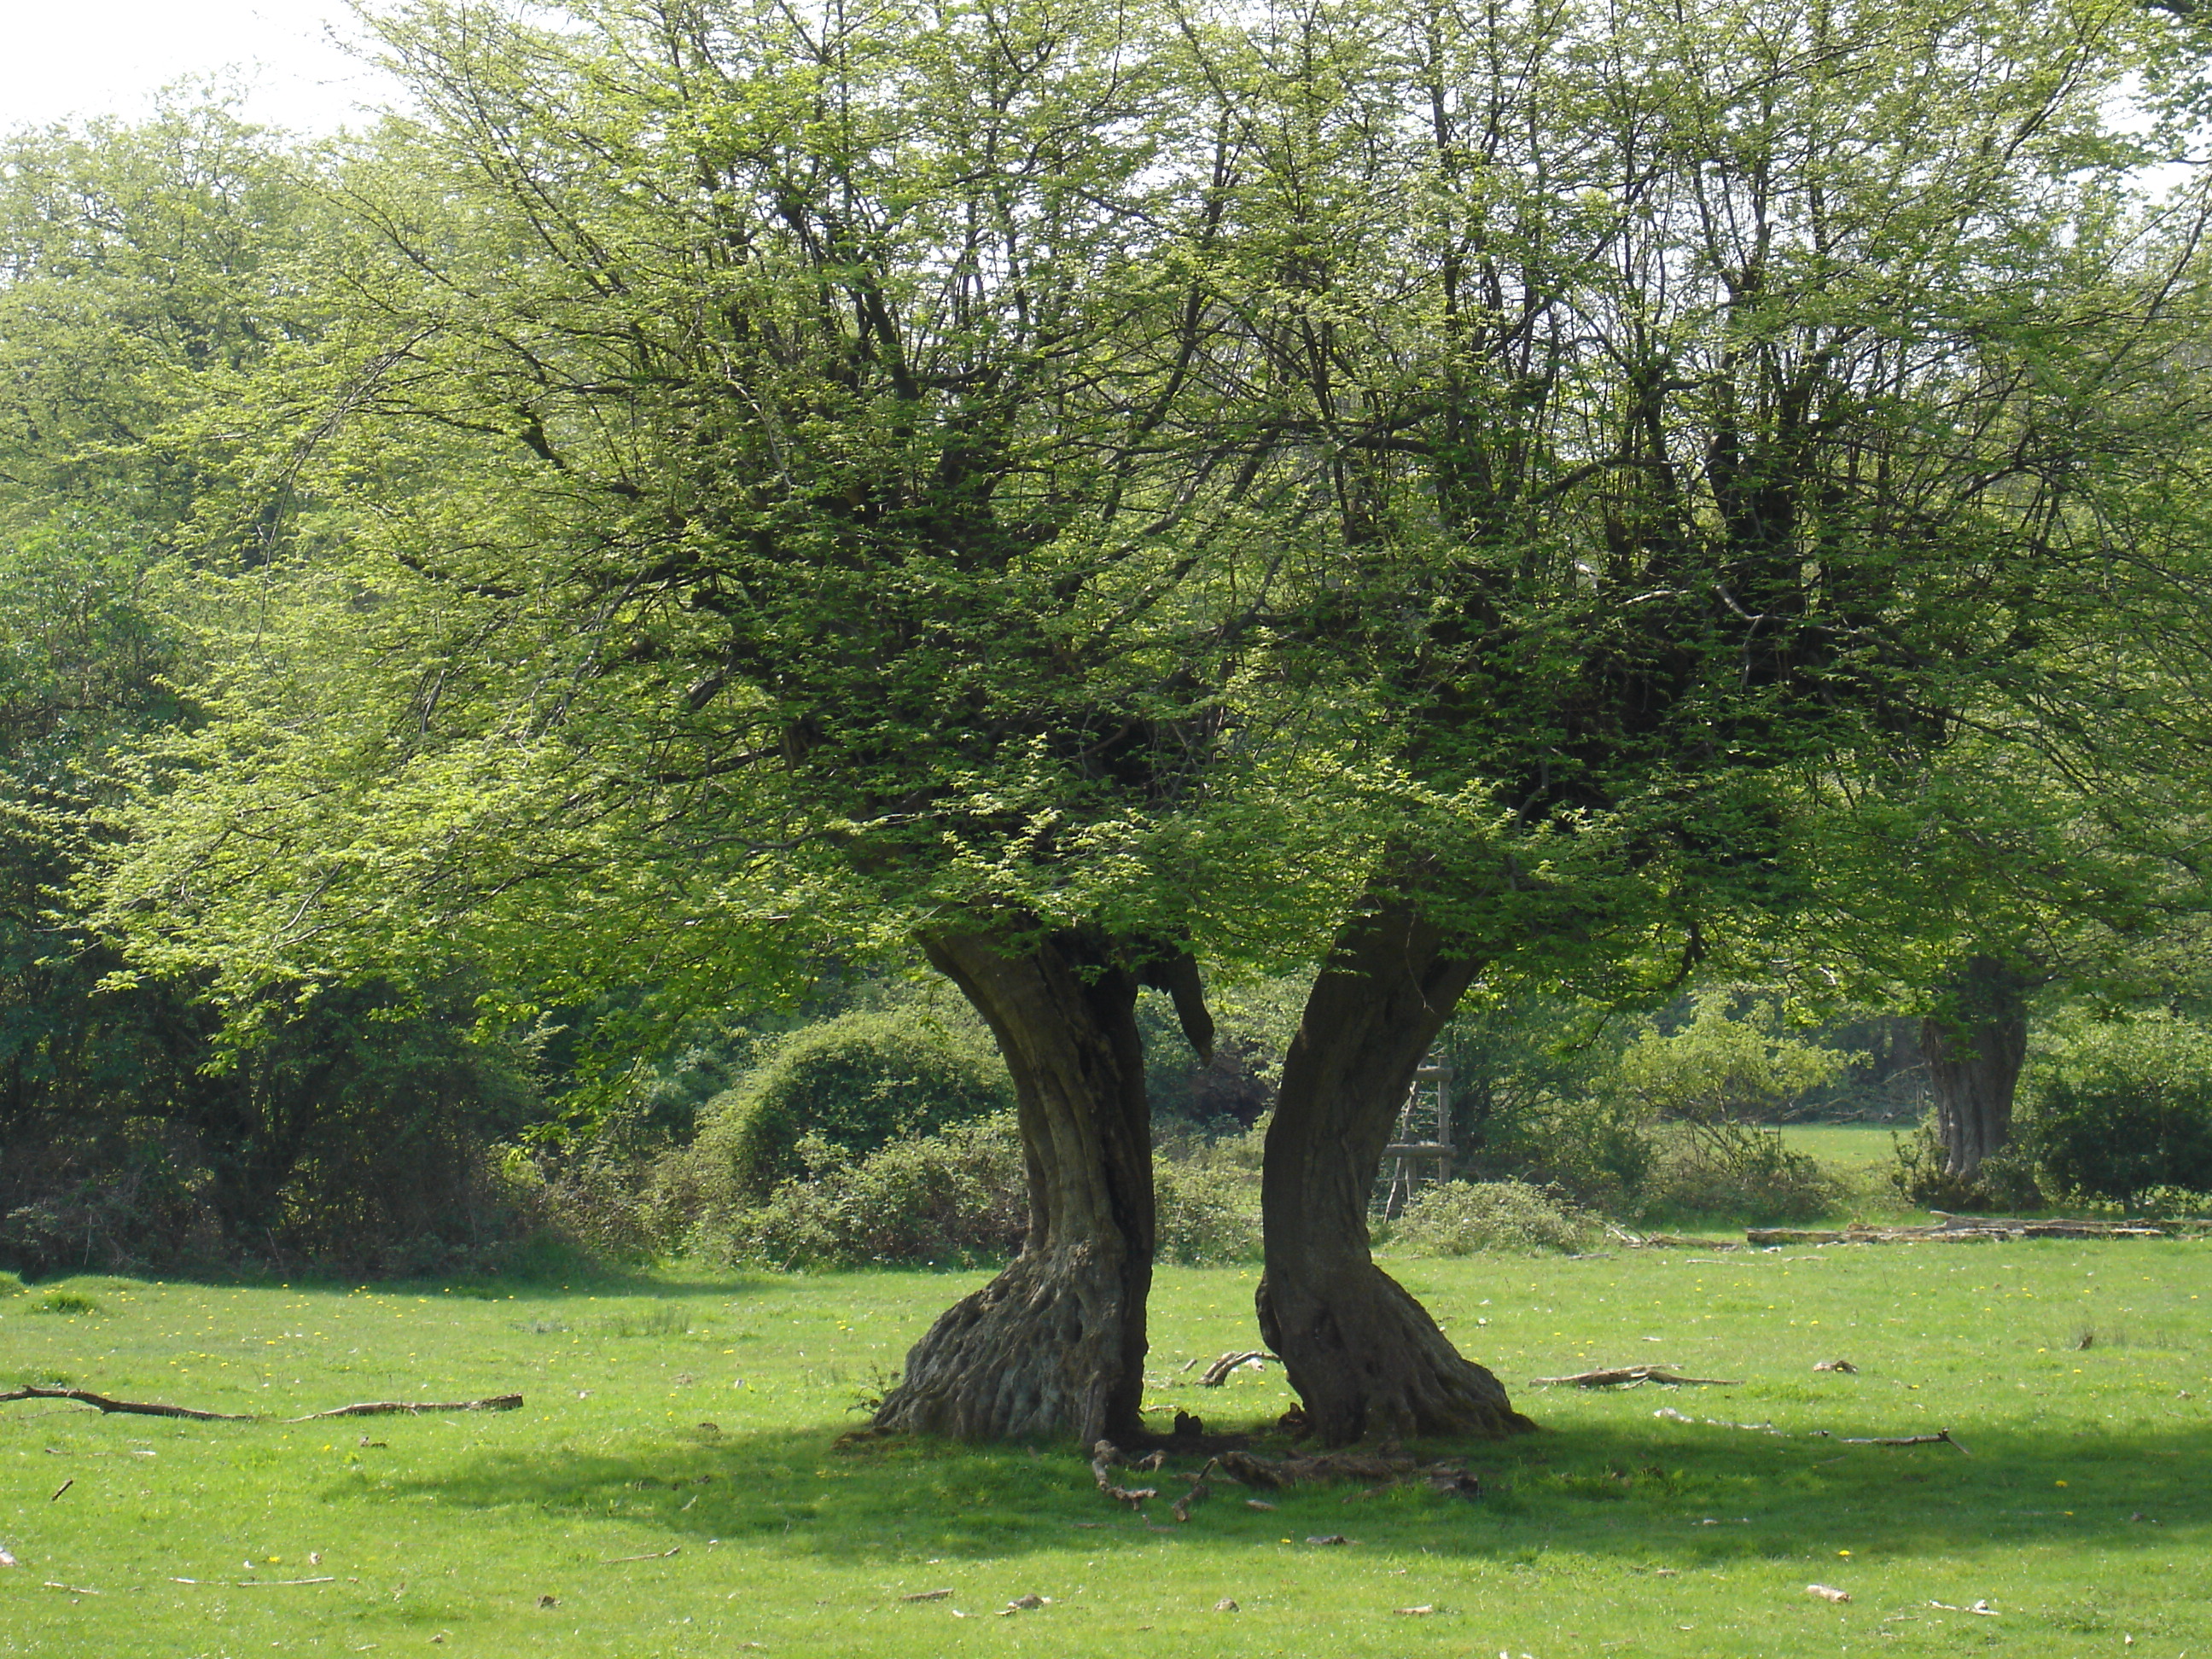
[{"x": 2117, "y": 1110}]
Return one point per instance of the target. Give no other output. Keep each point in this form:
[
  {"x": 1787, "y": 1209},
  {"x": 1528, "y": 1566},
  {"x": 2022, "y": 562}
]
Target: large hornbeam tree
[
  {"x": 1724, "y": 415},
  {"x": 776, "y": 487},
  {"x": 1077, "y": 488}
]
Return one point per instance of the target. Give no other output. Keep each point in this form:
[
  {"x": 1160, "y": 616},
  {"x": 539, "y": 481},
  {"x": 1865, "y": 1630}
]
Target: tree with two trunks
[{"x": 1081, "y": 490}]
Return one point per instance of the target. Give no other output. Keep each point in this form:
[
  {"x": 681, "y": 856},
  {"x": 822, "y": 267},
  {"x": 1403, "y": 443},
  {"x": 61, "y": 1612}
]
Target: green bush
[
  {"x": 2118, "y": 1109},
  {"x": 1460, "y": 1218},
  {"x": 1740, "y": 1170},
  {"x": 1205, "y": 1214},
  {"x": 959, "y": 1197},
  {"x": 857, "y": 1083},
  {"x": 10, "y": 1286}
]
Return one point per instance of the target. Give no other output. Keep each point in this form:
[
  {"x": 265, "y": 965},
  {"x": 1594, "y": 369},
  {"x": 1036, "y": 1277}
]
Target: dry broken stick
[
  {"x": 1217, "y": 1372},
  {"x": 1198, "y": 1490},
  {"x": 498, "y": 1403},
  {"x": 1630, "y": 1376},
  {"x": 1104, "y": 1457},
  {"x": 134, "y": 1408},
  {"x": 1941, "y": 1437}
]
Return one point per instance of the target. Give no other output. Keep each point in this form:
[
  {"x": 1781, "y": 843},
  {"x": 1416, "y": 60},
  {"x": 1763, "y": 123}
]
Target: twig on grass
[
  {"x": 1941, "y": 1437},
  {"x": 134, "y": 1408},
  {"x": 498, "y": 1403},
  {"x": 1198, "y": 1490},
  {"x": 1631, "y": 1376},
  {"x": 1217, "y": 1372},
  {"x": 1103, "y": 1456},
  {"x": 650, "y": 1555}
]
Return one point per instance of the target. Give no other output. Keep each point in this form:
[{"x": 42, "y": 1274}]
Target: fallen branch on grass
[
  {"x": 1630, "y": 1376},
  {"x": 1103, "y": 1457},
  {"x": 1941, "y": 1437},
  {"x": 1674, "y": 1416},
  {"x": 498, "y": 1403},
  {"x": 1954, "y": 1229},
  {"x": 1217, "y": 1372},
  {"x": 1669, "y": 1242},
  {"x": 1198, "y": 1490},
  {"x": 134, "y": 1408}
]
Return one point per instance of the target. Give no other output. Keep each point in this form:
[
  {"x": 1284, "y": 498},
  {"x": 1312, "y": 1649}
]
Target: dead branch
[
  {"x": 1217, "y": 1372},
  {"x": 498, "y": 1403},
  {"x": 134, "y": 1407},
  {"x": 1630, "y": 1376},
  {"x": 1198, "y": 1490},
  {"x": 1941, "y": 1437},
  {"x": 1674, "y": 1416},
  {"x": 1103, "y": 1457},
  {"x": 1954, "y": 1229}
]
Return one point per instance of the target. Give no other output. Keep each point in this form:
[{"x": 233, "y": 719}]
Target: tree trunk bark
[
  {"x": 1055, "y": 1346},
  {"x": 1975, "y": 1050},
  {"x": 1364, "y": 1357}
]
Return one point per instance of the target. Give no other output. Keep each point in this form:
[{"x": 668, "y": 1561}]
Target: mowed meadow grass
[{"x": 673, "y": 1486}]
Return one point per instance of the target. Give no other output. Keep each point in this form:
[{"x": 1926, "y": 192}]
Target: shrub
[
  {"x": 10, "y": 1286},
  {"x": 2007, "y": 1179},
  {"x": 1596, "y": 1150},
  {"x": 959, "y": 1197},
  {"x": 1741, "y": 1170},
  {"x": 2118, "y": 1109},
  {"x": 1458, "y": 1218},
  {"x": 1724, "y": 1067},
  {"x": 1206, "y": 1214},
  {"x": 857, "y": 1082}
]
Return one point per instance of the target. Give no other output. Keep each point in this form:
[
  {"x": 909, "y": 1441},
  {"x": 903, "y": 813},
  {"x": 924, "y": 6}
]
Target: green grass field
[{"x": 672, "y": 1487}]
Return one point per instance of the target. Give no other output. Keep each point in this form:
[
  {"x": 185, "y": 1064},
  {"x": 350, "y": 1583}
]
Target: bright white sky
[{"x": 62, "y": 58}]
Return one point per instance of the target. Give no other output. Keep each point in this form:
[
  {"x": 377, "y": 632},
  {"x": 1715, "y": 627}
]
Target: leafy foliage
[
  {"x": 851, "y": 1083},
  {"x": 2119, "y": 1107},
  {"x": 1458, "y": 1218}
]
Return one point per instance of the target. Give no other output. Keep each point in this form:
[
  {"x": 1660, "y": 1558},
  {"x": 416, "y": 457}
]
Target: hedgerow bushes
[
  {"x": 854, "y": 1083},
  {"x": 1460, "y": 1218},
  {"x": 2118, "y": 1109}
]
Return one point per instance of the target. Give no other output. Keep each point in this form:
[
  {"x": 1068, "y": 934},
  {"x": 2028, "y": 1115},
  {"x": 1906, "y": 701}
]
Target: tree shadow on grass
[{"x": 1672, "y": 1494}]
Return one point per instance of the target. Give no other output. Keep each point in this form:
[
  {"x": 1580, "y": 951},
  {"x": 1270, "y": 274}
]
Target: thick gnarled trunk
[
  {"x": 1365, "y": 1359},
  {"x": 1055, "y": 1346},
  {"x": 1975, "y": 1050}
]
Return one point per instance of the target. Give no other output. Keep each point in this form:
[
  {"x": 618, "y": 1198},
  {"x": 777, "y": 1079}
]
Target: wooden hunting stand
[{"x": 1420, "y": 1148}]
